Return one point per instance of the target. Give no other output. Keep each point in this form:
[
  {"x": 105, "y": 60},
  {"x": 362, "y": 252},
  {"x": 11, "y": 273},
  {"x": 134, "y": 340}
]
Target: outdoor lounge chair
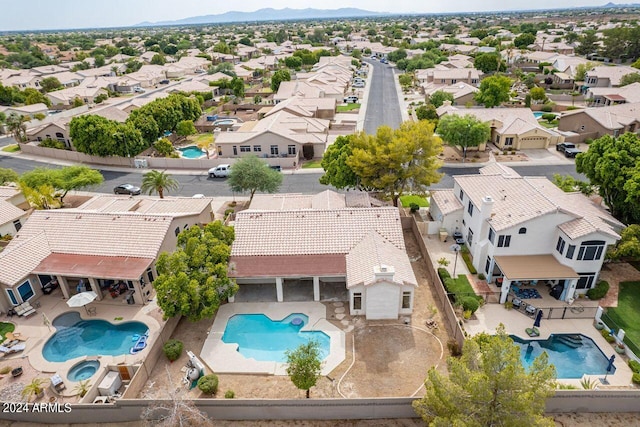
[
  {"x": 57, "y": 384},
  {"x": 12, "y": 336},
  {"x": 10, "y": 350},
  {"x": 139, "y": 345},
  {"x": 532, "y": 332}
]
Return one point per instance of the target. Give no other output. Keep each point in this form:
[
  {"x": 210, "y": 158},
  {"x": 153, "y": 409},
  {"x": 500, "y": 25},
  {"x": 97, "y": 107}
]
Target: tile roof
[
  {"x": 311, "y": 232},
  {"x": 9, "y": 212},
  {"x": 446, "y": 201},
  {"x": 19, "y": 258},
  {"x": 172, "y": 206},
  {"x": 612, "y": 117},
  {"x": 328, "y": 200},
  {"x": 7, "y": 192},
  {"x": 375, "y": 251}
]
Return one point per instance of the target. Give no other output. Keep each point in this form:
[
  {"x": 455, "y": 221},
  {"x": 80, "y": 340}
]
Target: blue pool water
[
  {"x": 191, "y": 152},
  {"x": 83, "y": 370},
  {"x": 538, "y": 114},
  {"x": 573, "y": 355},
  {"x": 261, "y": 338},
  {"x": 227, "y": 122},
  {"x": 76, "y": 337}
]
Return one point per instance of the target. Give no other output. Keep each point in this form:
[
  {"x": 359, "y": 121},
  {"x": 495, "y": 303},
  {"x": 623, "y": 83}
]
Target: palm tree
[{"x": 158, "y": 181}]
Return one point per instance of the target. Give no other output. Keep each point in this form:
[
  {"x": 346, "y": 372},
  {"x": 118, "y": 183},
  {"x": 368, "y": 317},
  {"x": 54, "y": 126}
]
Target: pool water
[
  {"x": 76, "y": 338},
  {"x": 191, "y": 152},
  {"x": 573, "y": 355},
  {"x": 83, "y": 370},
  {"x": 227, "y": 122},
  {"x": 263, "y": 339}
]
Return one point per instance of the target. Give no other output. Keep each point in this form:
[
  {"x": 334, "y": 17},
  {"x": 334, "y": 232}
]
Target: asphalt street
[{"x": 383, "y": 107}]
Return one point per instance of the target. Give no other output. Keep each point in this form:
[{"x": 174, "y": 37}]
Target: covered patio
[{"x": 535, "y": 270}]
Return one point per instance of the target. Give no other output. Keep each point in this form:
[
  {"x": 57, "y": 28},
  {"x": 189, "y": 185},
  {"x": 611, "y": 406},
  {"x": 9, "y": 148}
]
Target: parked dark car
[
  {"x": 571, "y": 152},
  {"x": 127, "y": 189},
  {"x": 564, "y": 145},
  {"x": 164, "y": 82},
  {"x": 276, "y": 168}
]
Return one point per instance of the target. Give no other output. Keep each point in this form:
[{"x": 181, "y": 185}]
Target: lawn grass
[
  {"x": 418, "y": 200},
  {"x": 201, "y": 137},
  {"x": 626, "y": 315},
  {"x": 312, "y": 164},
  {"x": 553, "y": 124},
  {"x": 347, "y": 107},
  {"x": 4, "y": 328},
  {"x": 11, "y": 148}
]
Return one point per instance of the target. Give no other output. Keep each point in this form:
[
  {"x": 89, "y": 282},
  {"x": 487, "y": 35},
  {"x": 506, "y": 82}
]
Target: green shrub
[
  {"x": 633, "y": 364},
  {"x": 208, "y": 384},
  {"x": 414, "y": 207},
  {"x": 466, "y": 256},
  {"x": 172, "y": 349},
  {"x": 599, "y": 291},
  {"x": 229, "y": 394},
  {"x": 607, "y": 336},
  {"x": 636, "y": 378},
  {"x": 444, "y": 274},
  {"x": 549, "y": 117},
  {"x": 52, "y": 143},
  {"x": 454, "y": 348},
  {"x": 571, "y": 107},
  {"x": 481, "y": 276},
  {"x": 470, "y": 304},
  {"x": 5, "y": 370},
  {"x": 547, "y": 108}
]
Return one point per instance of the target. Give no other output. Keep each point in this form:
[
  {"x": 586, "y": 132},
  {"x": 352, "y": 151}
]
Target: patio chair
[
  {"x": 517, "y": 303},
  {"x": 14, "y": 349},
  {"x": 12, "y": 336},
  {"x": 515, "y": 289},
  {"x": 57, "y": 384}
]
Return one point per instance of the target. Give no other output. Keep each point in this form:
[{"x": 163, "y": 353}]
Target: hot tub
[{"x": 83, "y": 370}]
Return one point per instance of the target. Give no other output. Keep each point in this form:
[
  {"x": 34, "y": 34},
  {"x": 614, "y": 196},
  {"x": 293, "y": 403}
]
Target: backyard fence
[{"x": 611, "y": 324}]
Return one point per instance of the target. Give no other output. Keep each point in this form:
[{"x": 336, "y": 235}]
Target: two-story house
[
  {"x": 595, "y": 122},
  {"x": 527, "y": 229}
]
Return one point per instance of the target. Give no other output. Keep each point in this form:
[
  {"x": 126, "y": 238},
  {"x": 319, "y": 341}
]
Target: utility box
[{"x": 110, "y": 384}]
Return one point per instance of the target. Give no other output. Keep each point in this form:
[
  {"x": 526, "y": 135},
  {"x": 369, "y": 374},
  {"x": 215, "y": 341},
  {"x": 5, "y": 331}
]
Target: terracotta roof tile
[{"x": 447, "y": 201}]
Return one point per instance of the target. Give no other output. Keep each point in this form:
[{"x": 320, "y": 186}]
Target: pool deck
[
  {"x": 491, "y": 315},
  {"x": 52, "y": 306},
  {"x": 224, "y": 358}
]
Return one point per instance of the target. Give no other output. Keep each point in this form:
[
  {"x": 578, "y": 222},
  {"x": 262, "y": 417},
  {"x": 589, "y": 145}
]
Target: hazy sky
[{"x": 54, "y": 14}]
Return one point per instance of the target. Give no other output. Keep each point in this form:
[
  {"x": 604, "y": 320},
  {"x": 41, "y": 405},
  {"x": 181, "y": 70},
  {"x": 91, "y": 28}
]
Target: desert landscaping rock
[
  {"x": 340, "y": 316},
  {"x": 339, "y": 310}
]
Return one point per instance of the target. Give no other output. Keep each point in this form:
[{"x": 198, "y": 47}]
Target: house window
[
  {"x": 461, "y": 195},
  {"x": 235, "y": 150},
  {"x": 406, "y": 300},
  {"x": 504, "y": 241},
  {"x": 616, "y": 132},
  {"x": 522, "y": 230},
  {"x": 453, "y": 81},
  {"x": 177, "y": 230},
  {"x": 291, "y": 150},
  {"x": 586, "y": 280},
  {"x": 12, "y": 296},
  {"x": 560, "y": 245},
  {"x": 25, "y": 291},
  {"x": 582, "y": 128},
  {"x": 487, "y": 265},
  {"x": 492, "y": 235},
  {"x": 632, "y": 127},
  {"x": 274, "y": 150},
  {"x": 497, "y": 139},
  {"x": 17, "y": 224},
  {"x": 245, "y": 148},
  {"x": 357, "y": 301},
  {"x": 257, "y": 148},
  {"x": 508, "y": 142},
  {"x": 470, "y": 208},
  {"x": 591, "y": 250},
  {"x": 150, "y": 274},
  {"x": 470, "y": 237},
  {"x": 570, "y": 250}
]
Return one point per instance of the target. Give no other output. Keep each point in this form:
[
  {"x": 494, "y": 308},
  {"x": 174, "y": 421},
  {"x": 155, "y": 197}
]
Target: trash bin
[{"x": 129, "y": 297}]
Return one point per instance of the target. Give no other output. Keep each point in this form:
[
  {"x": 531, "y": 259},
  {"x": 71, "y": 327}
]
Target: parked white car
[
  {"x": 358, "y": 84},
  {"x": 351, "y": 99},
  {"x": 220, "y": 171}
]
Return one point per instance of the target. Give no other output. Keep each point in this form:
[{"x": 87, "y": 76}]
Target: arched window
[{"x": 522, "y": 230}]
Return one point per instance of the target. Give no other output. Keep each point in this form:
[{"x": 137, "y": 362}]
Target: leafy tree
[
  {"x": 3, "y": 118},
  {"x": 397, "y": 55},
  {"x": 569, "y": 184},
  {"x": 33, "y": 96},
  {"x": 293, "y": 62},
  {"x": 405, "y": 80},
  {"x": 463, "y": 131},
  {"x": 98, "y": 136},
  {"x": 158, "y": 182},
  {"x": 588, "y": 43},
  {"x": 627, "y": 79},
  {"x": 62, "y": 180},
  {"x": 357, "y": 54},
  {"x": 611, "y": 164},
  {"x": 538, "y": 94},
  {"x": 237, "y": 86},
  {"x": 185, "y": 128},
  {"x": 7, "y": 176},
  {"x": 43, "y": 197},
  {"x": 279, "y": 77},
  {"x": 494, "y": 91},
  {"x": 164, "y": 147},
  {"x": 77, "y": 102},
  {"x": 395, "y": 161},
  {"x": 17, "y": 127},
  {"x": 427, "y": 112},
  {"x": 192, "y": 281},
  {"x": 489, "y": 63},
  {"x": 252, "y": 174},
  {"x": 438, "y": 97},
  {"x": 581, "y": 71},
  {"x": 50, "y": 84},
  {"x": 304, "y": 365},
  {"x": 628, "y": 247},
  {"x": 158, "y": 59},
  {"x": 99, "y": 61},
  {"x": 488, "y": 386},
  {"x": 334, "y": 162},
  {"x": 524, "y": 40},
  {"x": 636, "y": 64}
]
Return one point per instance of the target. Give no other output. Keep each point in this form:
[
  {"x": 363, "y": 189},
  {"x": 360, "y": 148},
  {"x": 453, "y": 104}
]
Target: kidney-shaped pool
[{"x": 76, "y": 337}]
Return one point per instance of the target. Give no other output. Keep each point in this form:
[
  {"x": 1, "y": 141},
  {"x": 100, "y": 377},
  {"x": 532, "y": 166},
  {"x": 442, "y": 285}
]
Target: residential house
[
  {"x": 67, "y": 96},
  {"x": 443, "y": 76},
  {"x": 606, "y": 96},
  {"x": 606, "y": 76},
  {"x": 527, "y": 229},
  {"x": 107, "y": 240},
  {"x": 25, "y": 110},
  {"x": 13, "y": 212},
  {"x": 324, "y": 250},
  {"x": 281, "y": 135},
  {"x": 511, "y": 128},
  {"x": 463, "y": 93},
  {"x": 319, "y": 108},
  {"x": 594, "y": 122},
  {"x": 57, "y": 130}
]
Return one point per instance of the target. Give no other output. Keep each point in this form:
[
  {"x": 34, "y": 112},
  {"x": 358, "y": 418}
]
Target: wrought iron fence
[{"x": 611, "y": 324}]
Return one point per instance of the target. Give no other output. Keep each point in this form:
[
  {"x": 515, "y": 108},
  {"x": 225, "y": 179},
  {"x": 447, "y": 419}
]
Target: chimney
[
  {"x": 383, "y": 272},
  {"x": 486, "y": 207},
  {"x": 446, "y": 103}
]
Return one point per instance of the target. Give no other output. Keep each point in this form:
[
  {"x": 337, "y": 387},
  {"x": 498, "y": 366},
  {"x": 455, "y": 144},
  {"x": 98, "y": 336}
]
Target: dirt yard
[{"x": 454, "y": 155}]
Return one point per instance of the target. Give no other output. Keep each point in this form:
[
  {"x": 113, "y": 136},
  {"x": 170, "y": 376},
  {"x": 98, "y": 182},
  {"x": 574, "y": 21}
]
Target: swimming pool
[
  {"x": 263, "y": 339},
  {"x": 224, "y": 122},
  {"x": 573, "y": 355},
  {"x": 76, "y": 337},
  {"x": 191, "y": 152},
  {"x": 83, "y": 370}
]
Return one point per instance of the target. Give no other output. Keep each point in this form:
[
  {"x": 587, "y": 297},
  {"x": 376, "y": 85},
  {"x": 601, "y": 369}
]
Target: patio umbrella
[
  {"x": 609, "y": 368},
  {"x": 536, "y": 324},
  {"x": 82, "y": 299}
]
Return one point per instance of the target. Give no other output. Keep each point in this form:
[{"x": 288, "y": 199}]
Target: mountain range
[{"x": 268, "y": 14}]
